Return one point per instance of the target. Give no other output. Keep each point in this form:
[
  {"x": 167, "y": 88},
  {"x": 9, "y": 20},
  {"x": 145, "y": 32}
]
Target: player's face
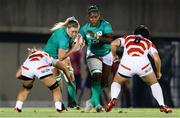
[
  {"x": 94, "y": 18},
  {"x": 72, "y": 31}
]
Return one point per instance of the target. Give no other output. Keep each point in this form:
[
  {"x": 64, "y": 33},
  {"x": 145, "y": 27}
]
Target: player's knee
[
  {"x": 97, "y": 76},
  {"x": 54, "y": 86},
  {"x": 28, "y": 87}
]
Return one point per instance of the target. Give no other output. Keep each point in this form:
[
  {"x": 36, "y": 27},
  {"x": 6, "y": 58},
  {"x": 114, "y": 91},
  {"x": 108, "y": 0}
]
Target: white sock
[
  {"x": 157, "y": 93},
  {"x": 19, "y": 104},
  {"x": 115, "y": 90},
  {"x": 58, "y": 105}
]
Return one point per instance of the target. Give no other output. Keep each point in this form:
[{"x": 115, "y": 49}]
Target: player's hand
[
  {"x": 18, "y": 74},
  {"x": 159, "y": 75},
  {"x": 91, "y": 33},
  {"x": 75, "y": 47},
  {"x": 116, "y": 59}
]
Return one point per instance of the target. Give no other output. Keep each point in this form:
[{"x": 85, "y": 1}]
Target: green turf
[{"x": 72, "y": 113}]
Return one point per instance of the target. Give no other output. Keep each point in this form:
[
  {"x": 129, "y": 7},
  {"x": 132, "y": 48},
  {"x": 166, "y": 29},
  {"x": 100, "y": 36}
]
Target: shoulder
[
  {"x": 59, "y": 30},
  {"x": 85, "y": 26},
  {"x": 104, "y": 22}
]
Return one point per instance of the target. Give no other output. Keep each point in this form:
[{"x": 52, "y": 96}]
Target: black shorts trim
[
  {"x": 25, "y": 78},
  {"x": 124, "y": 75},
  {"x": 43, "y": 77}
]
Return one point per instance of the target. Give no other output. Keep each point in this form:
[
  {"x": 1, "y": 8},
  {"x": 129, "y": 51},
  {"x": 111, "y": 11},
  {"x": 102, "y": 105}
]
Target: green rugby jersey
[
  {"x": 104, "y": 27},
  {"x": 59, "y": 39}
]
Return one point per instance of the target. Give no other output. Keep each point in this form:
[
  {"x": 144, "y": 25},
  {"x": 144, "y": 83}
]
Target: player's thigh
[
  {"x": 95, "y": 66},
  {"x": 48, "y": 81},
  {"x": 27, "y": 82},
  {"x": 150, "y": 78},
  {"x": 106, "y": 74},
  {"x": 120, "y": 79}
]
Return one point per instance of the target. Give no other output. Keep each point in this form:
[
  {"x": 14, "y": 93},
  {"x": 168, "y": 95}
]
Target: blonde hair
[
  {"x": 70, "y": 20},
  {"x": 33, "y": 50}
]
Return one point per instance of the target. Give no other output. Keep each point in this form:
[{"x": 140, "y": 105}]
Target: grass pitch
[{"x": 72, "y": 113}]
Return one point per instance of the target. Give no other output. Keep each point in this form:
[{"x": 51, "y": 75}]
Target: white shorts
[
  {"x": 95, "y": 64},
  {"x": 135, "y": 65},
  {"x": 38, "y": 70}
]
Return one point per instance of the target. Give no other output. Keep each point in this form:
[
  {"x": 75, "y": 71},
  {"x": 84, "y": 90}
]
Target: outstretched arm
[{"x": 60, "y": 65}]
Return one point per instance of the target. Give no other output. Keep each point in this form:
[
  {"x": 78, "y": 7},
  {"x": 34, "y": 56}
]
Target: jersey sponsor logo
[
  {"x": 45, "y": 70},
  {"x": 147, "y": 70}
]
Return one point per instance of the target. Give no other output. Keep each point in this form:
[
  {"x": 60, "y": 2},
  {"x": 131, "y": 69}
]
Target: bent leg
[
  {"x": 115, "y": 90},
  {"x": 151, "y": 80},
  {"x": 116, "y": 85},
  {"x": 23, "y": 93}
]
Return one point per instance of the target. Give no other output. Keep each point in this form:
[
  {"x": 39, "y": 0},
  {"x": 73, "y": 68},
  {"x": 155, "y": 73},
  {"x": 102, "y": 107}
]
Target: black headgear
[
  {"x": 142, "y": 30},
  {"x": 92, "y": 9}
]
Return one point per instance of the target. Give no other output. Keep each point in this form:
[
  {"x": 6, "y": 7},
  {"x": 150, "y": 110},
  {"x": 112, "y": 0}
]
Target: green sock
[
  {"x": 96, "y": 91},
  {"x": 72, "y": 92}
]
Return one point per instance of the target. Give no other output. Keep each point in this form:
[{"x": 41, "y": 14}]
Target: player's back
[
  {"x": 136, "y": 46},
  {"x": 136, "y": 49},
  {"x": 37, "y": 59}
]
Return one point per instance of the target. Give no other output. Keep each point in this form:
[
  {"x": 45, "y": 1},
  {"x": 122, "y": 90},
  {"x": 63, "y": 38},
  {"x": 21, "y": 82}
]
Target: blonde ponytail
[{"x": 64, "y": 24}]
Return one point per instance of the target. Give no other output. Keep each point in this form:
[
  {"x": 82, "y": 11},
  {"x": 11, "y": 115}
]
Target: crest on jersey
[{"x": 99, "y": 33}]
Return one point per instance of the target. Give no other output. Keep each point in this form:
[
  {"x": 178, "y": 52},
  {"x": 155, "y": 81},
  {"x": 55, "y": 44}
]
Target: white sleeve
[
  {"x": 122, "y": 41},
  {"x": 49, "y": 59},
  {"x": 152, "y": 49}
]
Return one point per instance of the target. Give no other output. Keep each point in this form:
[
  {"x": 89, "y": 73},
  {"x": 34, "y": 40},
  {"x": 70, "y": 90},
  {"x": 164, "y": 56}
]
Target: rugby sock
[
  {"x": 58, "y": 105},
  {"x": 96, "y": 91},
  {"x": 19, "y": 104},
  {"x": 72, "y": 92},
  {"x": 157, "y": 93},
  {"x": 115, "y": 90}
]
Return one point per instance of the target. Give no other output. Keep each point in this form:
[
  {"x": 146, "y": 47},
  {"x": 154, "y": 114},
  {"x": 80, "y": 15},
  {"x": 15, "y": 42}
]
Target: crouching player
[
  {"x": 135, "y": 61},
  {"x": 39, "y": 65}
]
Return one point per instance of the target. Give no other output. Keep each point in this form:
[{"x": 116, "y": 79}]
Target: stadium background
[{"x": 26, "y": 23}]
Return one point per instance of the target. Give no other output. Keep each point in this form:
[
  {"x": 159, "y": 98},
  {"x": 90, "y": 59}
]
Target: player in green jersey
[
  {"x": 61, "y": 44},
  {"x": 98, "y": 35}
]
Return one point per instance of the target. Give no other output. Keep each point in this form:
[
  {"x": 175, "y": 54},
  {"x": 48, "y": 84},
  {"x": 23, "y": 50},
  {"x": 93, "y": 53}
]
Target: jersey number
[{"x": 137, "y": 40}]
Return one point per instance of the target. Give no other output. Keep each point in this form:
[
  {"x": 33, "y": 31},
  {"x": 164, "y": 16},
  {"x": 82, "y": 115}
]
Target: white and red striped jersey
[
  {"x": 136, "y": 45},
  {"x": 40, "y": 56},
  {"x": 134, "y": 59},
  {"x": 37, "y": 64}
]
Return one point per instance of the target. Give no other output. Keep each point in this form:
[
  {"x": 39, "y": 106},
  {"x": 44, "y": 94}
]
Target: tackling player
[
  {"x": 39, "y": 65},
  {"x": 135, "y": 61}
]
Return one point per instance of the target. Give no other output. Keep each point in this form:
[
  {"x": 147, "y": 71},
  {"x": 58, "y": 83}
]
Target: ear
[{"x": 87, "y": 18}]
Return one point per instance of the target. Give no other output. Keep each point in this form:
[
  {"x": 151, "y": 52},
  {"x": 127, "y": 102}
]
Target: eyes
[{"x": 94, "y": 16}]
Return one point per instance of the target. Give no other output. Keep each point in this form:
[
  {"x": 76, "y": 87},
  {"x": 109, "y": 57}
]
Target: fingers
[{"x": 159, "y": 75}]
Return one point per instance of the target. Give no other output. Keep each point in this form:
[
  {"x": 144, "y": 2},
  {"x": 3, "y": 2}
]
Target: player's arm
[
  {"x": 106, "y": 38},
  {"x": 114, "y": 45},
  {"x": 157, "y": 61},
  {"x": 63, "y": 54},
  {"x": 18, "y": 73},
  {"x": 60, "y": 65}
]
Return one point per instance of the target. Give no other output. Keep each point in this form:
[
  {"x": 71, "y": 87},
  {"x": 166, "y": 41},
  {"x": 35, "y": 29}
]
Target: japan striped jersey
[{"x": 136, "y": 45}]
